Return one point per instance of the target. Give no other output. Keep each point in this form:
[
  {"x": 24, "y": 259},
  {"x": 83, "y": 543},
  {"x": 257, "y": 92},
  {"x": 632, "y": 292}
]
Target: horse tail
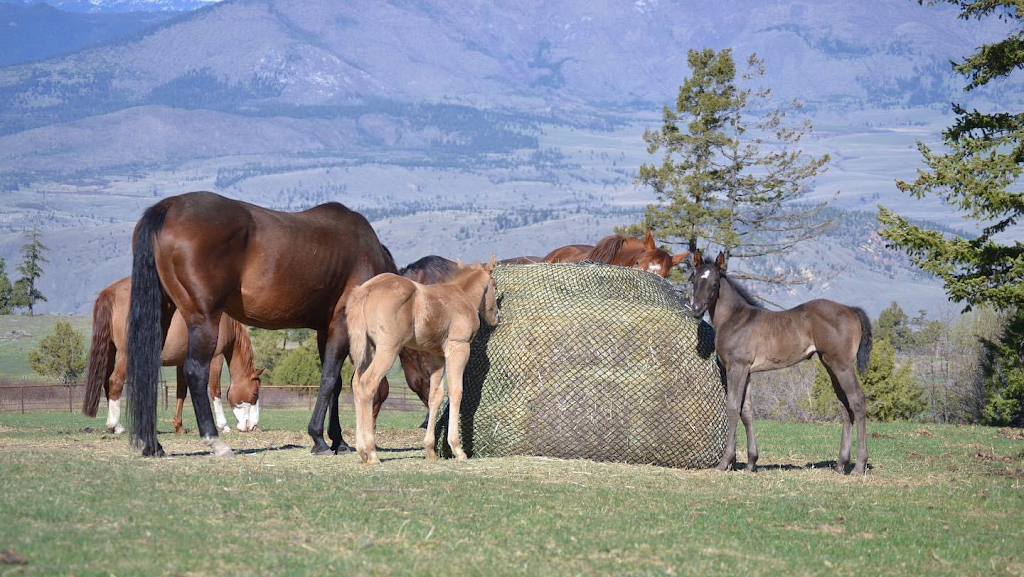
[
  {"x": 864, "y": 349},
  {"x": 355, "y": 320},
  {"x": 101, "y": 352},
  {"x": 145, "y": 330}
]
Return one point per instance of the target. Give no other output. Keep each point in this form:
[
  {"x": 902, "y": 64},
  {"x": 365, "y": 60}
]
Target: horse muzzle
[{"x": 248, "y": 416}]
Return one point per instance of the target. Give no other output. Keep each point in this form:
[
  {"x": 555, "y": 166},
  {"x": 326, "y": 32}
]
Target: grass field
[{"x": 939, "y": 500}]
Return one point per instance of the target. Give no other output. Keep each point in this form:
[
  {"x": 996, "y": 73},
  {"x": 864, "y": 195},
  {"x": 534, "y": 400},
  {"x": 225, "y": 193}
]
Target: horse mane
[
  {"x": 434, "y": 267},
  {"x": 740, "y": 289},
  {"x": 605, "y": 250},
  {"x": 243, "y": 345}
]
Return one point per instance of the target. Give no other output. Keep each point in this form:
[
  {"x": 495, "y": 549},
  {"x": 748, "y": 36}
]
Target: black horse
[{"x": 750, "y": 339}]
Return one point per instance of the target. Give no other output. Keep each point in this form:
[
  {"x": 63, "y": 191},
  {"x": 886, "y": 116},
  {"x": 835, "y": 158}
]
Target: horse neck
[
  {"x": 239, "y": 354},
  {"x": 729, "y": 303},
  {"x": 473, "y": 285}
]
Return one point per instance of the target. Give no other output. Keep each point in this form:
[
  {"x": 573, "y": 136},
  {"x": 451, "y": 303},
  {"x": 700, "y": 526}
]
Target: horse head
[
  {"x": 488, "y": 306},
  {"x": 707, "y": 278},
  {"x": 654, "y": 260},
  {"x": 244, "y": 397}
]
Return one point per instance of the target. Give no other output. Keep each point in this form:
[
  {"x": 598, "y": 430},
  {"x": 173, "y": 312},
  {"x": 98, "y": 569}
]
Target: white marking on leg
[
  {"x": 114, "y": 415},
  {"x": 218, "y": 411}
]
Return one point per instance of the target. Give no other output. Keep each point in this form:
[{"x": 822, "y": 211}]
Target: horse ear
[
  {"x": 698, "y": 259},
  {"x": 678, "y": 258},
  {"x": 458, "y": 261},
  {"x": 258, "y": 372},
  {"x": 490, "y": 264},
  {"x": 649, "y": 240},
  {"x": 720, "y": 261}
]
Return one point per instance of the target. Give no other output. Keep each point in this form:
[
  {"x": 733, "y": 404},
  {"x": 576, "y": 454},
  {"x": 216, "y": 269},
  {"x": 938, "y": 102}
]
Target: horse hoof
[
  {"x": 118, "y": 430},
  {"x": 840, "y": 469},
  {"x": 226, "y": 429},
  {"x": 858, "y": 471},
  {"x": 320, "y": 451},
  {"x": 158, "y": 452},
  {"x": 341, "y": 448}
]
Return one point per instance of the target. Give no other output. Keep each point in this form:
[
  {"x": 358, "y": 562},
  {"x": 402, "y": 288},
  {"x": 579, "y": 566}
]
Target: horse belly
[{"x": 770, "y": 361}]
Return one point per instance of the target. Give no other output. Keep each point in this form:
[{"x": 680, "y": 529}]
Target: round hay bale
[{"x": 592, "y": 361}]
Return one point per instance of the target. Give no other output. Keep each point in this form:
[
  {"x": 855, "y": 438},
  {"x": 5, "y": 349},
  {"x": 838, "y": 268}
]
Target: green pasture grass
[{"x": 938, "y": 500}]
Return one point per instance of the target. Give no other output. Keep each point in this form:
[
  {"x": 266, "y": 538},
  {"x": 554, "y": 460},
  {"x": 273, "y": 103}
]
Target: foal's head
[
  {"x": 489, "y": 298},
  {"x": 707, "y": 278},
  {"x": 655, "y": 260}
]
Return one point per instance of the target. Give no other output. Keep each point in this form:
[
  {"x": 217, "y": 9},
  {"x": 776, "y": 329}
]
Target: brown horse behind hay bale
[
  {"x": 205, "y": 255},
  {"x": 622, "y": 251},
  {"x": 390, "y": 312},
  {"x": 109, "y": 320},
  {"x": 750, "y": 339}
]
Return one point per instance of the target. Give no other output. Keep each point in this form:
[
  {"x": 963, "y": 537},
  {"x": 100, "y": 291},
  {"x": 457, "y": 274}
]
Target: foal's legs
[
  {"x": 202, "y": 342},
  {"x": 456, "y": 358},
  {"x": 180, "y": 394},
  {"x": 364, "y": 390},
  {"x": 847, "y": 388},
  {"x": 434, "y": 402},
  {"x": 747, "y": 415},
  {"x": 736, "y": 377}
]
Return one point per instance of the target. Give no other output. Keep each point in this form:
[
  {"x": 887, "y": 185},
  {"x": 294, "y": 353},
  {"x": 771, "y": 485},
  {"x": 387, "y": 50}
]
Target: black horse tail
[
  {"x": 145, "y": 333},
  {"x": 101, "y": 352},
  {"x": 864, "y": 350}
]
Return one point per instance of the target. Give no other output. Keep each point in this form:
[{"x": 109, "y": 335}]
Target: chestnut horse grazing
[
  {"x": 109, "y": 317},
  {"x": 622, "y": 251},
  {"x": 203, "y": 255},
  {"x": 389, "y": 312},
  {"x": 750, "y": 339}
]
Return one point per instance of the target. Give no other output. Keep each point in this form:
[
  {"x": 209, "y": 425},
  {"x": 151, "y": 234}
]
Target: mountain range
[{"x": 478, "y": 112}]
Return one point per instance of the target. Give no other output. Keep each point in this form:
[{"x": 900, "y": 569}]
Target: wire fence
[{"x": 25, "y": 396}]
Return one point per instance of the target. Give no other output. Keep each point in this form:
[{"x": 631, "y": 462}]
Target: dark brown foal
[{"x": 750, "y": 339}]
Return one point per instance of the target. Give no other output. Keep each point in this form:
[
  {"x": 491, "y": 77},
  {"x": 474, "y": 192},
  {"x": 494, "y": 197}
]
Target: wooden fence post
[
  {"x": 71, "y": 401},
  {"x": 23, "y": 400}
]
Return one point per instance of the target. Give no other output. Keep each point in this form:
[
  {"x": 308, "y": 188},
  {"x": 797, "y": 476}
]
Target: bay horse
[
  {"x": 204, "y": 255},
  {"x": 390, "y": 312},
  {"x": 622, "y": 251},
  {"x": 109, "y": 320},
  {"x": 750, "y": 339}
]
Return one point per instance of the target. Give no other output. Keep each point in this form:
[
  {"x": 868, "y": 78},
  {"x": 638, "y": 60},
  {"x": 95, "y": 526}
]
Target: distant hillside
[
  {"x": 40, "y": 31},
  {"x": 120, "y": 6}
]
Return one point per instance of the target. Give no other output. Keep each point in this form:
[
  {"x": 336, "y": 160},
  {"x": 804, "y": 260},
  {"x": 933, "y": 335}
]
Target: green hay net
[{"x": 592, "y": 361}]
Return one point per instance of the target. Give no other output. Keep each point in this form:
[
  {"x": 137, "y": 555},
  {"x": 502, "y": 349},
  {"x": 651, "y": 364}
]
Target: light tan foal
[{"x": 389, "y": 312}]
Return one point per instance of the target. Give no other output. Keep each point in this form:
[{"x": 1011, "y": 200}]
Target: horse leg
[
  {"x": 435, "y": 395},
  {"x": 334, "y": 340},
  {"x": 202, "y": 343},
  {"x": 847, "y": 416},
  {"x": 858, "y": 408},
  {"x": 747, "y": 415},
  {"x": 115, "y": 387},
  {"x": 456, "y": 358},
  {"x": 216, "y": 364},
  {"x": 364, "y": 390},
  {"x": 736, "y": 378},
  {"x": 180, "y": 393}
]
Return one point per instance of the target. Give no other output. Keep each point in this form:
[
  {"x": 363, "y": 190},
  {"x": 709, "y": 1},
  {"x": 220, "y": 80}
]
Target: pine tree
[
  {"x": 25, "y": 294},
  {"x": 60, "y": 355},
  {"x": 891, "y": 393},
  {"x": 978, "y": 175},
  {"x": 300, "y": 366},
  {"x": 894, "y": 324},
  {"x": 719, "y": 181},
  {"x": 1003, "y": 370},
  {"x": 6, "y": 290}
]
